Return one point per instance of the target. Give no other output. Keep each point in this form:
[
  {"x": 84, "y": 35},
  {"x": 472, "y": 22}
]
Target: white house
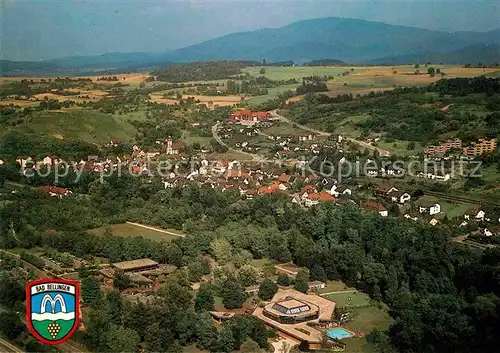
[
  {"x": 431, "y": 208},
  {"x": 23, "y": 161},
  {"x": 480, "y": 215},
  {"x": 316, "y": 285},
  {"x": 487, "y": 232},
  {"x": 340, "y": 190},
  {"x": 375, "y": 206},
  {"x": 400, "y": 197},
  {"x": 411, "y": 216},
  {"x": 432, "y": 176}
]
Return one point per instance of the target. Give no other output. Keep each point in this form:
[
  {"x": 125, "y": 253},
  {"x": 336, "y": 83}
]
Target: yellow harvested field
[
  {"x": 94, "y": 93},
  {"x": 19, "y": 103},
  {"x": 131, "y": 78},
  {"x": 405, "y": 75},
  {"x": 216, "y": 100},
  {"x": 82, "y": 97}
]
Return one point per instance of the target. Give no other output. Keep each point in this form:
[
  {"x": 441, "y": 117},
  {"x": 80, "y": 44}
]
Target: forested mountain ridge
[{"x": 349, "y": 40}]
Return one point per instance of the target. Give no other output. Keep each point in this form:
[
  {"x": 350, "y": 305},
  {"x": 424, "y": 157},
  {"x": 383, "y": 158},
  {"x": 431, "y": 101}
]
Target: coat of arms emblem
[{"x": 52, "y": 309}]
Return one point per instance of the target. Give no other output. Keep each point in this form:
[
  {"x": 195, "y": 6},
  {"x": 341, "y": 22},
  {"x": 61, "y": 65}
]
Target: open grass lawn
[
  {"x": 218, "y": 304},
  {"x": 490, "y": 174},
  {"x": 282, "y": 128},
  {"x": 259, "y": 263},
  {"x": 192, "y": 349},
  {"x": 190, "y": 138},
  {"x": 335, "y": 286},
  {"x": 271, "y": 93},
  {"x": 87, "y": 125},
  {"x": 493, "y": 74},
  {"x": 130, "y": 230},
  {"x": 399, "y": 147},
  {"x": 138, "y": 115},
  {"x": 349, "y": 299},
  {"x": 454, "y": 210},
  {"x": 365, "y": 320}
]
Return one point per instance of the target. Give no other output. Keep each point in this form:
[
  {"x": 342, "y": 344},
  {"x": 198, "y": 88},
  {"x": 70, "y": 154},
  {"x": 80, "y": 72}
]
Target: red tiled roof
[
  {"x": 374, "y": 205},
  {"x": 241, "y": 112},
  {"x": 53, "y": 189},
  {"x": 236, "y": 174},
  {"x": 307, "y": 188},
  {"x": 284, "y": 178},
  {"x": 321, "y": 196},
  {"x": 269, "y": 189}
]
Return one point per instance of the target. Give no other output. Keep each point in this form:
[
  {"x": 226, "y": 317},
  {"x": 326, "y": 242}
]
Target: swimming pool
[{"x": 339, "y": 333}]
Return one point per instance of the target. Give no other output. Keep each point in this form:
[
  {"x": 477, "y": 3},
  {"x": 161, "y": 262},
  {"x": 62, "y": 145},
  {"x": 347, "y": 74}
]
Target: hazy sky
[{"x": 42, "y": 29}]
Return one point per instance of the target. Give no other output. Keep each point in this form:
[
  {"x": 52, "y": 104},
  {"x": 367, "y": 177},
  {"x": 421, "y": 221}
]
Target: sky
[{"x": 44, "y": 29}]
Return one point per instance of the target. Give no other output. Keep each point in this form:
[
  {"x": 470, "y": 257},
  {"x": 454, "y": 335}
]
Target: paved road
[
  {"x": 381, "y": 151},
  {"x": 8, "y": 347},
  {"x": 156, "y": 229},
  {"x": 39, "y": 273},
  {"x": 253, "y": 157}
]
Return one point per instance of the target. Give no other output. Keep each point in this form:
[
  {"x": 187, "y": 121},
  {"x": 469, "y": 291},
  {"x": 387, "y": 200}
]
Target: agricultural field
[
  {"x": 278, "y": 73},
  {"x": 273, "y": 92},
  {"x": 127, "y": 230},
  {"x": 365, "y": 79},
  {"x": 90, "y": 126}
]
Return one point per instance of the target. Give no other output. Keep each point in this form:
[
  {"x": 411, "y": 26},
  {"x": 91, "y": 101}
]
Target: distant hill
[
  {"x": 20, "y": 66},
  {"x": 324, "y": 62},
  {"x": 110, "y": 63},
  {"x": 479, "y": 53},
  {"x": 349, "y": 40}
]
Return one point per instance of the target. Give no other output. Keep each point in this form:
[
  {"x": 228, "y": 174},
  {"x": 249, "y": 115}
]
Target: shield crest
[{"x": 52, "y": 309}]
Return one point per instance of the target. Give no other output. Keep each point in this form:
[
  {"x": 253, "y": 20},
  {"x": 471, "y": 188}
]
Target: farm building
[{"x": 245, "y": 115}]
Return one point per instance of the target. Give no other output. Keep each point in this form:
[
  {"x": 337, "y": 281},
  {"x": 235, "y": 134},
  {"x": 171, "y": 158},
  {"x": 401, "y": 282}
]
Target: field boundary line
[
  {"x": 338, "y": 292},
  {"x": 156, "y": 229}
]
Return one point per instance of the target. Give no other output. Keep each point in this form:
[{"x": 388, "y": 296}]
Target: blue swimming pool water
[{"x": 339, "y": 333}]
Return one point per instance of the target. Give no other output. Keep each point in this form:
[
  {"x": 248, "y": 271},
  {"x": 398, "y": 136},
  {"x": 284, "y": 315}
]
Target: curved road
[
  {"x": 382, "y": 152},
  {"x": 254, "y": 157}
]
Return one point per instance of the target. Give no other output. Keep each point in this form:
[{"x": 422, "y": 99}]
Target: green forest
[
  {"x": 200, "y": 71},
  {"x": 442, "y": 295},
  {"x": 411, "y": 114}
]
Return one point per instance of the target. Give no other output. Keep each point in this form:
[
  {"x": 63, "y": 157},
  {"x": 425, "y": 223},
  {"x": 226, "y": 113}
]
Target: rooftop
[
  {"x": 135, "y": 264},
  {"x": 291, "y": 303},
  {"x": 301, "y": 331}
]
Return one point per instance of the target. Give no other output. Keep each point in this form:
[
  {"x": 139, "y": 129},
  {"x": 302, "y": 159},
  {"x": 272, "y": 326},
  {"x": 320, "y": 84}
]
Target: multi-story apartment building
[{"x": 480, "y": 147}]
